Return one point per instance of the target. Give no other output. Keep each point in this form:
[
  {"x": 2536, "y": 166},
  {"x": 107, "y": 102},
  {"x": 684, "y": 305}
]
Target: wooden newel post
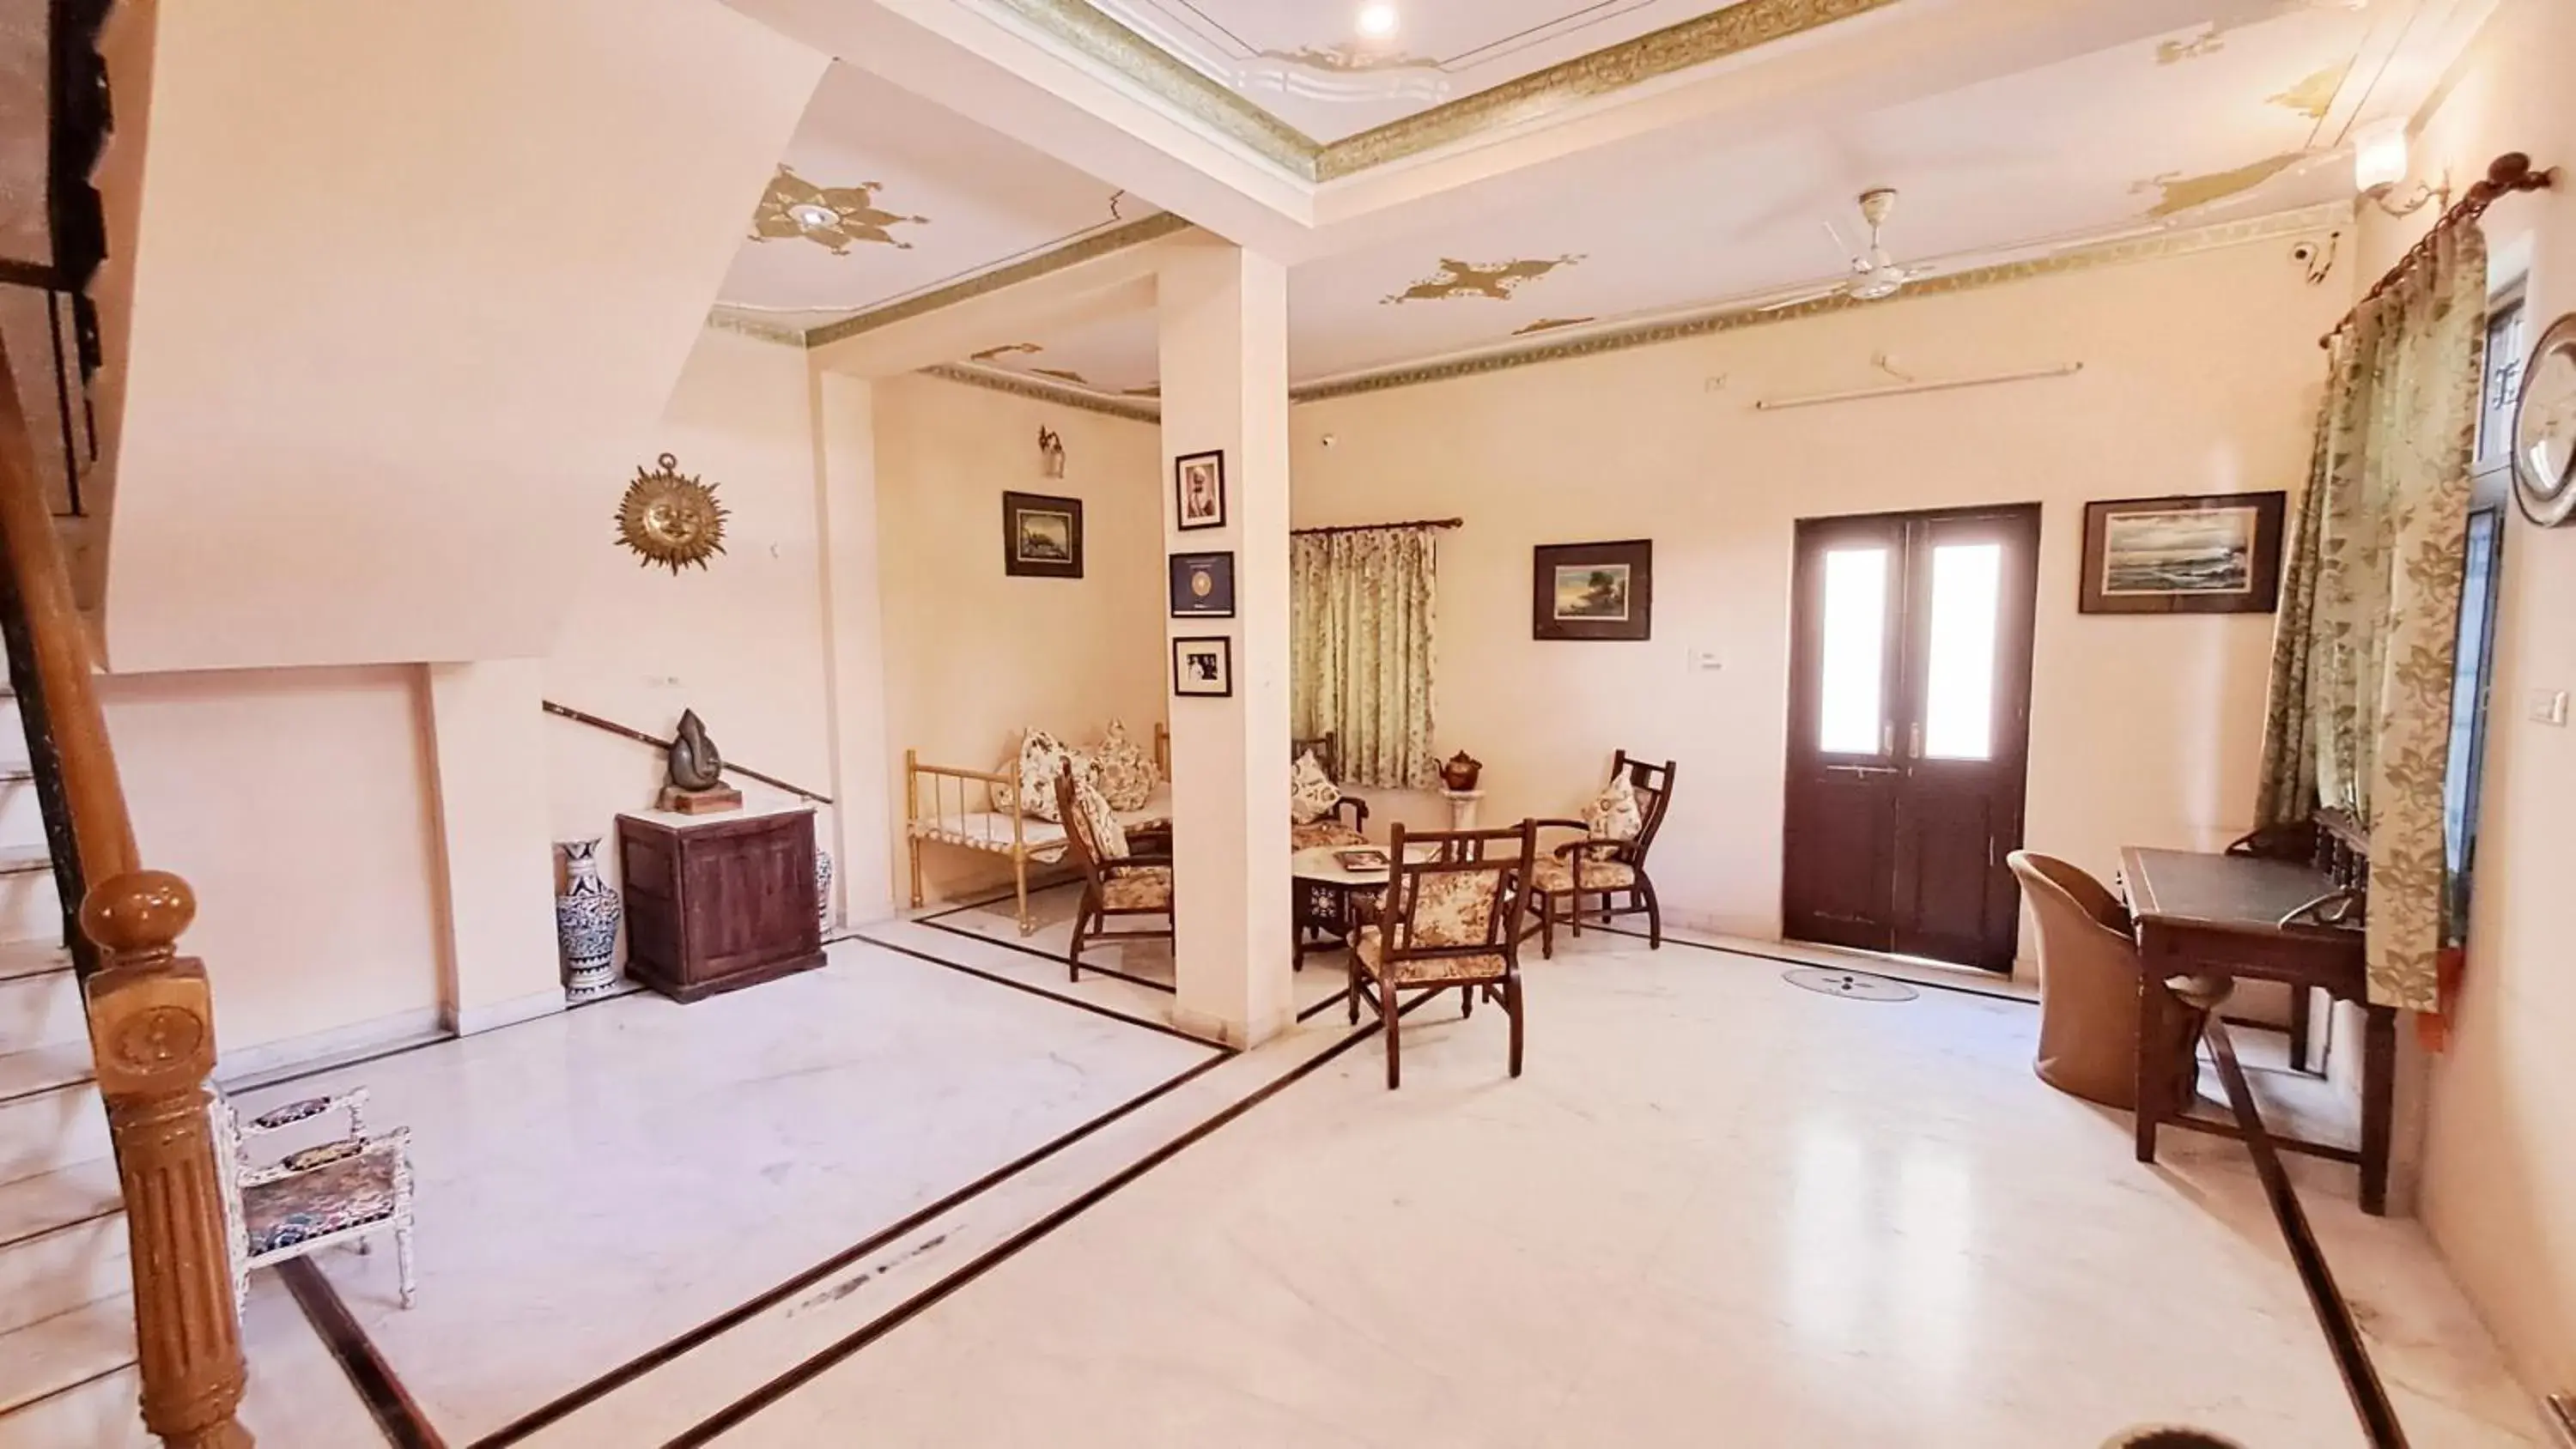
[{"x": 152, "y": 1031}]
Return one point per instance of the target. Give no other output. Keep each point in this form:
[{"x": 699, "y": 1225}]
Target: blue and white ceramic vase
[
  {"x": 586, "y": 919},
  {"x": 823, "y": 888}
]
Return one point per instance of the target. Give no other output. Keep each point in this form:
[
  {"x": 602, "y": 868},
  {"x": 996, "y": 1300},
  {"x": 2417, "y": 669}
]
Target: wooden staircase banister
[{"x": 151, "y": 1014}]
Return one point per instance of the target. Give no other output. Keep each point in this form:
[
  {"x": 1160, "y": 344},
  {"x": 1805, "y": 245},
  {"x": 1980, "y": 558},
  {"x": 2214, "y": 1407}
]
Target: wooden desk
[{"x": 2196, "y": 913}]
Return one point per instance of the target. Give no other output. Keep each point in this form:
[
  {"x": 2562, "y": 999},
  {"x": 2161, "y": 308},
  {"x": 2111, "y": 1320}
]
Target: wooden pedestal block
[{"x": 718, "y": 903}]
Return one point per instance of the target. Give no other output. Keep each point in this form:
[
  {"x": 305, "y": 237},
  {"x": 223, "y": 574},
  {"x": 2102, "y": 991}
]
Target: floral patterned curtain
[
  {"x": 2363, "y": 651},
  {"x": 1361, "y": 611}
]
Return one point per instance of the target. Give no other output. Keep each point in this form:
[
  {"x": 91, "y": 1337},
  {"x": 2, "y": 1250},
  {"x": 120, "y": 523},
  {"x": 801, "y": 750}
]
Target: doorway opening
[{"x": 1909, "y": 731}]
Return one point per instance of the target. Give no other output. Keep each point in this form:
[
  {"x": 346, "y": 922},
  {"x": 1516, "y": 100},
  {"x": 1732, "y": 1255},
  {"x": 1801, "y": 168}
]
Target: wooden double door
[{"x": 1909, "y": 731}]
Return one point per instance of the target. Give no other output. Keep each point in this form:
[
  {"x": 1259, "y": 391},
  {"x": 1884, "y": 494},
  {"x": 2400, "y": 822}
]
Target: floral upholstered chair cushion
[
  {"x": 1450, "y": 908},
  {"x": 1311, "y": 793},
  {"x": 1612, "y": 815},
  {"x": 1124, "y": 772},
  {"x": 1555, "y": 874},
  {"x": 348, "y": 1187},
  {"x": 1329, "y": 831},
  {"x": 340, "y": 1191},
  {"x": 1101, "y": 829},
  {"x": 1138, "y": 888}
]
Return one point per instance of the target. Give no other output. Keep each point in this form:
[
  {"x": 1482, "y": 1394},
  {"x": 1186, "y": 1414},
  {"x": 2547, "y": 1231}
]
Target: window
[
  {"x": 2481, "y": 582},
  {"x": 1855, "y": 653},
  {"x": 2503, "y": 379}
]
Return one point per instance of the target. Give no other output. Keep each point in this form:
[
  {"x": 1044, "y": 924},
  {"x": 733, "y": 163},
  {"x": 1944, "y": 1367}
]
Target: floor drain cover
[{"x": 1849, "y": 983}]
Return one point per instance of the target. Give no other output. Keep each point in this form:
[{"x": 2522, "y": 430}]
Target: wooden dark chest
[{"x": 717, "y": 903}]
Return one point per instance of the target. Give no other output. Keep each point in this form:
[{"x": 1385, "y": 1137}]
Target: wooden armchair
[
  {"x": 1599, "y": 865},
  {"x": 1122, "y": 885},
  {"x": 341, "y": 1191},
  {"x": 1453, "y": 919},
  {"x": 1331, "y": 830}
]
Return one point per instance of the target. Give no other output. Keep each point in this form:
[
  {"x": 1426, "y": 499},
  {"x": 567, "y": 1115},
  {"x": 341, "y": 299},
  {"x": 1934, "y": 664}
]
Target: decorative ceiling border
[
  {"x": 1039, "y": 390},
  {"x": 1098, "y": 244},
  {"x": 723, "y": 319},
  {"x": 1093, "y": 35},
  {"x": 1739, "y": 27},
  {"x": 2278, "y": 226}
]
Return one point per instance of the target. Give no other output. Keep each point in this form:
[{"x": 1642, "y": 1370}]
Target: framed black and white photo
[
  {"x": 1203, "y": 586},
  {"x": 1203, "y": 667},
  {"x": 1593, "y": 590},
  {"x": 1198, "y": 490},
  {"x": 1041, "y": 536},
  {"x": 2219, "y": 554}
]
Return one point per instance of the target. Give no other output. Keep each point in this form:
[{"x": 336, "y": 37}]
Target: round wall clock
[
  {"x": 670, "y": 518},
  {"x": 2544, "y": 429}
]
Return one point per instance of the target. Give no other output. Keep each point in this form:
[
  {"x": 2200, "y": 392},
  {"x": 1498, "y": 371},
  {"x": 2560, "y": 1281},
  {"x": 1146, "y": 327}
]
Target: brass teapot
[{"x": 1460, "y": 772}]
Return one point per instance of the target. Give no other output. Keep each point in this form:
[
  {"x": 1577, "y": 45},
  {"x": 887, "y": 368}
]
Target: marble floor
[
  {"x": 1717, "y": 1209},
  {"x": 591, "y": 1184}
]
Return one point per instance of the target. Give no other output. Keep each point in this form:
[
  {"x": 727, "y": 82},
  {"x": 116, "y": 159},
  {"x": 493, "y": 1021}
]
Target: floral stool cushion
[
  {"x": 1138, "y": 888},
  {"x": 1556, "y": 876},
  {"x": 1370, "y": 949},
  {"x": 350, "y": 1192},
  {"x": 1323, "y": 832}
]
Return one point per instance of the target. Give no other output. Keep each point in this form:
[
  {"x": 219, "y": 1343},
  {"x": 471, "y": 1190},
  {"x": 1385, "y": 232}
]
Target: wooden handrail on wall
[
  {"x": 151, "y": 1014},
  {"x": 565, "y": 711}
]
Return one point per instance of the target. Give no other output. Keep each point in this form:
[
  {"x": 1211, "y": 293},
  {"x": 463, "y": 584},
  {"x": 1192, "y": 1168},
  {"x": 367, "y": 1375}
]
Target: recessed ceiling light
[
  {"x": 1377, "y": 21},
  {"x": 814, "y": 216}
]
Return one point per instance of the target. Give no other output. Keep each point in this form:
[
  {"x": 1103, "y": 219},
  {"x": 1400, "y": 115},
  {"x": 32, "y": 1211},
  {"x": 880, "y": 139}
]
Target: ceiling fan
[{"x": 1874, "y": 273}]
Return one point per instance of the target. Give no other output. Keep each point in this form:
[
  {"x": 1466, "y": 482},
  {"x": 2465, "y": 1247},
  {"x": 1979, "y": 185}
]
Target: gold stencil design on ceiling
[
  {"x": 831, "y": 217},
  {"x": 1063, "y": 374},
  {"x": 2314, "y": 96},
  {"x": 1007, "y": 349},
  {"x": 1494, "y": 281},
  {"x": 2179, "y": 193},
  {"x": 1345, "y": 58},
  {"x": 1550, "y": 324},
  {"x": 1151, "y": 389}
]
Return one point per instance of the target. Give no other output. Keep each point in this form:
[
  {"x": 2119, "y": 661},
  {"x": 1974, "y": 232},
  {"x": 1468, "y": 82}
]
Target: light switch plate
[{"x": 2549, "y": 706}]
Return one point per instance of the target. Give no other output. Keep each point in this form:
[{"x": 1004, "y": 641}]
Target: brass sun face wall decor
[
  {"x": 670, "y": 518},
  {"x": 831, "y": 217}
]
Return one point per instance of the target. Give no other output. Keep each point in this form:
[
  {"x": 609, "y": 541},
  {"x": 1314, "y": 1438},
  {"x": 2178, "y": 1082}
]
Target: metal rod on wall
[{"x": 1900, "y": 389}]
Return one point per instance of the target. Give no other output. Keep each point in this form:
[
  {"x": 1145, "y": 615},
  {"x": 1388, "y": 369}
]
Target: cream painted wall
[
  {"x": 410, "y": 282},
  {"x": 741, "y": 641},
  {"x": 974, "y": 657},
  {"x": 2201, "y": 376},
  {"x": 2499, "y": 1177},
  {"x": 297, "y": 803}
]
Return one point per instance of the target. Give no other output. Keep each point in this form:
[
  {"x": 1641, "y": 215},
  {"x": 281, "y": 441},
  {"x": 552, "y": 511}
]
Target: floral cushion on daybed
[
  {"x": 1123, "y": 770},
  {"x": 1117, "y": 767},
  {"x": 351, "y": 1192}
]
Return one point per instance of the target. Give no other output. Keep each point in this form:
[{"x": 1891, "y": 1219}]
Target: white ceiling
[
  {"x": 1306, "y": 62},
  {"x": 988, "y": 201},
  {"x": 2110, "y": 141}
]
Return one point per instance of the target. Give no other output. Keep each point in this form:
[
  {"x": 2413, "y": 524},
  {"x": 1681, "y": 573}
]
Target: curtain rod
[
  {"x": 1902, "y": 389},
  {"x": 1384, "y": 527},
  {"x": 2508, "y": 173}
]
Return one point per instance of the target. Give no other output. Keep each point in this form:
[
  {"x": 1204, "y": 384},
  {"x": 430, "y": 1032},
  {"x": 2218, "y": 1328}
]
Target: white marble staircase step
[
  {"x": 45, "y": 1358},
  {"x": 72, "y": 1265},
  {"x": 98, "y": 1413},
  {"x": 47, "y": 1201},
  {"x": 31, "y": 958},
  {"x": 42, "y": 1007},
  {"x": 50, "y": 1113}
]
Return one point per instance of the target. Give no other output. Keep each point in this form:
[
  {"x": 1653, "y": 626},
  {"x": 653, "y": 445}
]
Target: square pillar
[
  {"x": 496, "y": 860},
  {"x": 862, "y": 819},
  {"x": 1224, "y": 321}
]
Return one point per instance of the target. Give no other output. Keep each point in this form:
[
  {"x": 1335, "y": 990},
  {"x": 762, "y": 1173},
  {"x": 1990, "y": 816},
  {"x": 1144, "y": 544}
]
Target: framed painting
[
  {"x": 1593, "y": 590},
  {"x": 1203, "y": 668},
  {"x": 1198, "y": 490},
  {"x": 1203, "y": 586},
  {"x": 1041, "y": 536},
  {"x": 2218, "y": 554}
]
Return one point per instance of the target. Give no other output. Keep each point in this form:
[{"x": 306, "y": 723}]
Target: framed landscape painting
[
  {"x": 1041, "y": 536},
  {"x": 2219, "y": 554},
  {"x": 1593, "y": 590}
]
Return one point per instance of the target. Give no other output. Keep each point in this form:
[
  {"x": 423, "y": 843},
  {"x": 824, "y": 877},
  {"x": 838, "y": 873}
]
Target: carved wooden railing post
[{"x": 152, "y": 1031}]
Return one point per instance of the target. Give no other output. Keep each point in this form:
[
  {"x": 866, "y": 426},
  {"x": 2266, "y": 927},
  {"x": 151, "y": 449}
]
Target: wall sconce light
[
  {"x": 2380, "y": 166},
  {"x": 1050, "y": 453}
]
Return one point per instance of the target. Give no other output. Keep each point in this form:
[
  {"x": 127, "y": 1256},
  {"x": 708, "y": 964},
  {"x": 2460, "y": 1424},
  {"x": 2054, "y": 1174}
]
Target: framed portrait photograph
[
  {"x": 1203, "y": 586},
  {"x": 1593, "y": 590},
  {"x": 1041, "y": 536},
  {"x": 2218, "y": 554},
  {"x": 1198, "y": 490},
  {"x": 1203, "y": 667}
]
